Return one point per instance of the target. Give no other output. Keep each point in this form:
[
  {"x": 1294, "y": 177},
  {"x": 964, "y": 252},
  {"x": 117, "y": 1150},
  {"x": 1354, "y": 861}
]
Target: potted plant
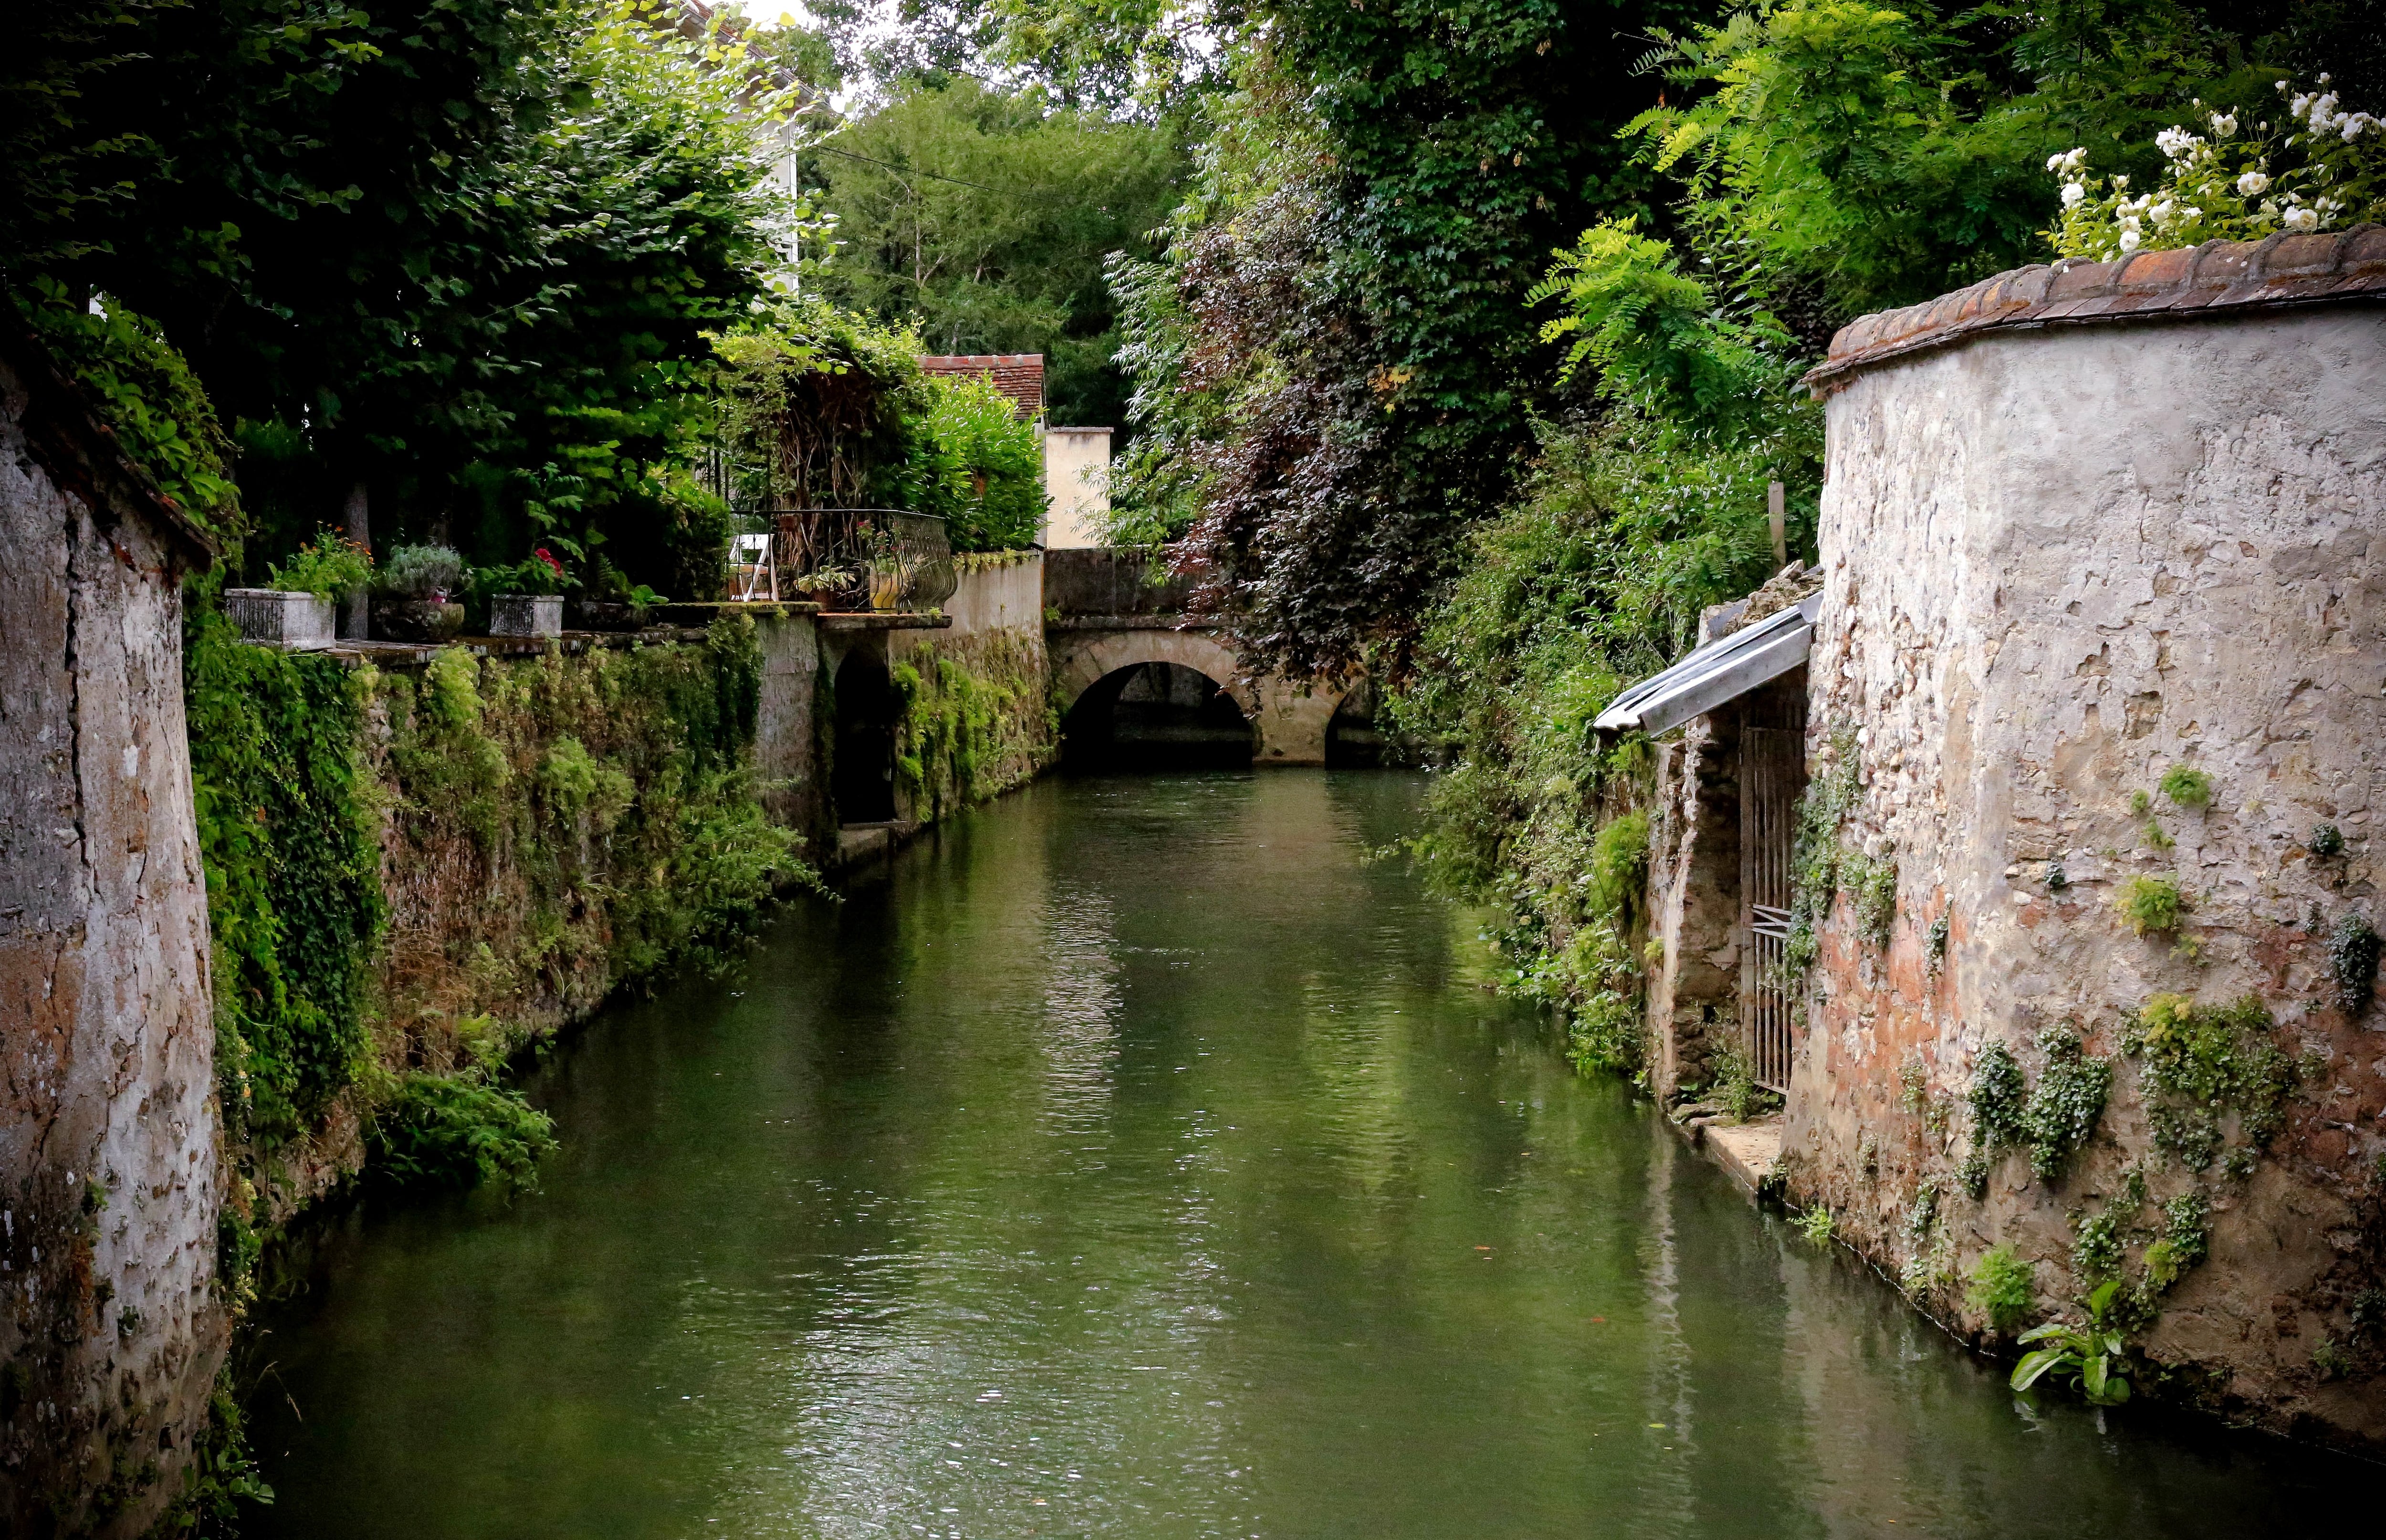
[
  {"x": 526, "y": 599},
  {"x": 293, "y": 608},
  {"x": 411, "y": 595}
]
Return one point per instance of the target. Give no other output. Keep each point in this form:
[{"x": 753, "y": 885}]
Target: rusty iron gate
[{"x": 1772, "y": 778}]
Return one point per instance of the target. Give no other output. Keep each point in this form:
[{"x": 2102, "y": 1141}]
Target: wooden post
[{"x": 1777, "y": 516}]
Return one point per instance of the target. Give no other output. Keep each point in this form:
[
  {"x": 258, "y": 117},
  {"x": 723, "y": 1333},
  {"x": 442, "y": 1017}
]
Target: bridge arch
[{"x": 1290, "y": 723}]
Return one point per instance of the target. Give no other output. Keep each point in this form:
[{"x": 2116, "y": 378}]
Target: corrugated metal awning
[{"x": 1720, "y": 672}]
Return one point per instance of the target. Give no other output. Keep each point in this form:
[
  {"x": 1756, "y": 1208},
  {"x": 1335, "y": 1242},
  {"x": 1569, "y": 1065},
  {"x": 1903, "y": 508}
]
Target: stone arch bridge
[{"x": 1108, "y": 611}]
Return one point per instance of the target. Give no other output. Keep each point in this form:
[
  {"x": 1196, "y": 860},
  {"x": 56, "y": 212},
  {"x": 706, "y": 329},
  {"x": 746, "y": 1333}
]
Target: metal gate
[{"x": 1772, "y": 778}]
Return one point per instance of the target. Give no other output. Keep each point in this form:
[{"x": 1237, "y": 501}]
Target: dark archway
[
  {"x": 1156, "y": 716},
  {"x": 1353, "y": 739},
  {"x": 863, "y": 777}
]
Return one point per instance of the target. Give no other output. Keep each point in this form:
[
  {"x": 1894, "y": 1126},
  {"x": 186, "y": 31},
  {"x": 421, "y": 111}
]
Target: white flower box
[
  {"x": 527, "y": 614},
  {"x": 271, "y": 616}
]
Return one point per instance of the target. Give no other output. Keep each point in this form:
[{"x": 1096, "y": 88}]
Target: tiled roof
[
  {"x": 1017, "y": 375},
  {"x": 2283, "y": 271}
]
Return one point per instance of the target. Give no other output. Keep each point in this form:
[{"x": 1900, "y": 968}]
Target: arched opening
[
  {"x": 1354, "y": 740},
  {"x": 863, "y": 773},
  {"x": 1156, "y": 716}
]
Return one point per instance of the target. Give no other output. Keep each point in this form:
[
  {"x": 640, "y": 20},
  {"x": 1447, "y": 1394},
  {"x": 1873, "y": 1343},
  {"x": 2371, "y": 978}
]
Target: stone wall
[
  {"x": 111, "y": 1329},
  {"x": 2060, "y": 563}
]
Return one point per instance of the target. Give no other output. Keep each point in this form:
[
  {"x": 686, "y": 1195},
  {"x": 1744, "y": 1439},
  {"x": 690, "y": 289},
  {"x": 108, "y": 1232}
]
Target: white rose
[
  {"x": 2129, "y": 240},
  {"x": 2224, "y": 127},
  {"x": 2300, "y": 218},
  {"x": 2121, "y": 180},
  {"x": 2072, "y": 193},
  {"x": 2252, "y": 184}
]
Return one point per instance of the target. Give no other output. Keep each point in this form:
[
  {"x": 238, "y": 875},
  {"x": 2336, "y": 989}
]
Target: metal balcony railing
[{"x": 848, "y": 560}]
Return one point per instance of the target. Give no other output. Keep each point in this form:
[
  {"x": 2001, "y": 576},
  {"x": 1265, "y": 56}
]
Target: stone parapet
[{"x": 2218, "y": 276}]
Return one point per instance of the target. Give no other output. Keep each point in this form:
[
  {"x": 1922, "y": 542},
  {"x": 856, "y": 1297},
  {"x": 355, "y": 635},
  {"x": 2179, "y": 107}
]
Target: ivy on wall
[
  {"x": 975, "y": 721},
  {"x": 293, "y": 898}
]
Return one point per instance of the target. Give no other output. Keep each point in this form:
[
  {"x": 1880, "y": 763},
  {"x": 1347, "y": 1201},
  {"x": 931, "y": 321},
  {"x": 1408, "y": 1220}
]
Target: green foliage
[
  {"x": 2098, "y": 1246},
  {"x": 2353, "y": 952},
  {"x": 1880, "y": 156},
  {"x": 1873, "y": 885},
  {"x": 2067, "y": 1102},
  {"x": 1658, "y": 337},
  {"x": 2187, "y": 787},
  {"x": 1999, "y": 1095},
  {"x": 294, "y": 904},
  {"x": 972, "y": 722},
  {"x": 974, "y": 462},
  {"x": 2199, "y": 1065},
  {"x": 458, "y": 1131},
  {"x": 2096, "y": 1356},
  {"x": 812, "y": 407},
  {"x": 329, "y": 567},
  {"x": 141, "y": 387},
  {"x": 1935, "y": 949},
  {"x": 421, "y": 572},
  {"x": 460, "y": 250},
  {"x": 2320, "y": 167},
  {"x": 2326, "y": 839},
  {"x": 1734, "y": 1089},
  {"x": 2151, "y": 905},
  {"x": 1815, "y": 1225},
  {"x": 1972, "y": 1173},
  {"x": 1619, "y": 867},
  {"x": 1604, "y": 1033},
  {"x": 222, "y": 1475},
  {"x": 2003, "y": 1286},
  {"x": 1000, "y": 247}
]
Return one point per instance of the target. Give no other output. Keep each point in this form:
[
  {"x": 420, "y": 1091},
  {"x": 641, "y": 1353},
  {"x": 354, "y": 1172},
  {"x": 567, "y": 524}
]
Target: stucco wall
[
  {"x": 111, "y": 1331},
  {"x": 1078, "y": 478},
  {"x": 2060, "y": 562}
]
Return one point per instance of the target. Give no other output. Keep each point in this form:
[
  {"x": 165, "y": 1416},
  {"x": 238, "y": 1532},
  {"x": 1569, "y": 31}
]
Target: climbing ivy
[
  {"x": 294, "y": 904},
  {"x": 973, "y": 720}
]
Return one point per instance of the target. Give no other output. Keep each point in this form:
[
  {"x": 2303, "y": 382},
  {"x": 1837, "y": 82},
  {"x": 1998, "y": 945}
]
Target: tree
[
  {"x": 984, "y": 218},
  {"x": 464, "y": 249}
]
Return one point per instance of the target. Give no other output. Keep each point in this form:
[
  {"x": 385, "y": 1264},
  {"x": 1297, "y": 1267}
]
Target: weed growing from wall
[
  {"x": 2187, "y": 787},
  {"x": 2149, "y": 905},
  {"x": 2201, "y": 1067},
  {"x": 2066, "y": 1104},
  {"x": 2003, "y": 1286},
  {"x": 2352, "y": 950}
]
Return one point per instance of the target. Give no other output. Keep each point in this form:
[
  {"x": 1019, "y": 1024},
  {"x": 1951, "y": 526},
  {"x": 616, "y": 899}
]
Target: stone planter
[
  {"x": 271, "y": 616},
  {"x": 417, "y": 619},
  {"x": 527, "y": 614}
]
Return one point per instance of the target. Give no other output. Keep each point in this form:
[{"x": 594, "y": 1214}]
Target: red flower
[{"x": 553, "y": 565}]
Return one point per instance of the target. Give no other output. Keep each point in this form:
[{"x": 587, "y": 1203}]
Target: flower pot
[
  {"x": 280, "y": 618},
  {"x": 417, "y": 619},
  {"x": 527, "y": 614}
]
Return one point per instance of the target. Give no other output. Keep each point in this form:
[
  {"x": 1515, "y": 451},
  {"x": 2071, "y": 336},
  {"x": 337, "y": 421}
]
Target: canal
[{"x": 1141, "y": 1159}]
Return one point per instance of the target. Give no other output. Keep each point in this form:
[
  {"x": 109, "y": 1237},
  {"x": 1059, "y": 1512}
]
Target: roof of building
[
  {"x": 1017, "y": 375},
  {"x": 1723, "y": 670},
  {"x": 2281, "y": 272}
]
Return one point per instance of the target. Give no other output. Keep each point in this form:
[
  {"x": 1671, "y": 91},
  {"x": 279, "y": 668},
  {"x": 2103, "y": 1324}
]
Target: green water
[{"x": 1139, "y": 1161}]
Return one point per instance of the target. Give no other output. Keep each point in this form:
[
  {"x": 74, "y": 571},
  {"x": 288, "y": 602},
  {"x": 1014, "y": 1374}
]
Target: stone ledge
[
  {"x": 1751, "y": 1152},
  {"x": 2282, "y": 272}
]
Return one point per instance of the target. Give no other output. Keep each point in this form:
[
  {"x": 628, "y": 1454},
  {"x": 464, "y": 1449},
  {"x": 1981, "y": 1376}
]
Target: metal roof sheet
[{"x": 1722, "y": 671}]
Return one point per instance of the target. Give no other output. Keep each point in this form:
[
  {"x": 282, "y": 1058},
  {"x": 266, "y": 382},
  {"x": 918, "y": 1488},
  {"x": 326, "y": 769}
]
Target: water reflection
[{"x": 1140, "y": 1162}]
